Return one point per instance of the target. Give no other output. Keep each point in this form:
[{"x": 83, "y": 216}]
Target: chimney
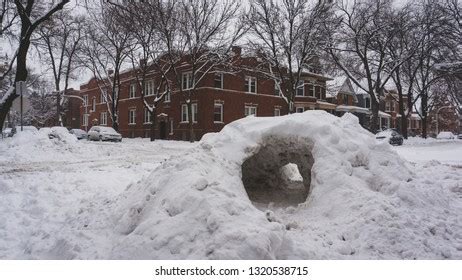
[{"x": 236, "y": 50}]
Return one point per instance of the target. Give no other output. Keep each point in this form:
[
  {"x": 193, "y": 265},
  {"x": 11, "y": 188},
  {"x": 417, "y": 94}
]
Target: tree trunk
[
  {"x": 424, "y": 114},
  {"x": 153, "y": 125},
  {"x": 374, "y": 125},
  {"x": 403, "y": 114}
]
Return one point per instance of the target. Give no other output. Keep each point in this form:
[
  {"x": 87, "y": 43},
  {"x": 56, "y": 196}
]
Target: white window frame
[
  {"x": 248, "y": 83},
  {"x": 313, "y": 92},
  {"x": 248, "y": 110},
  {"x": 184, "y": 113},
  {"x": 147, "y": 116},
  {"x": 188, "y": 83},
  {"x": 130, "y": 120},
  {"x": 85, "y": 100},
  {"x": 149, "y": 88},
  {"x": 132, "y": 92},
  {"x": 277, "y": 112},
  {"x": 103, "y": 96},
  {"x": 221, "y": 112},
  {"x": 184, "y": 109},
  {"x": 300, "y": 86},
  {"x": 85, "y": 119},
  {"x": 103, "y": 118},
  {"x": 221, "y": 80}
]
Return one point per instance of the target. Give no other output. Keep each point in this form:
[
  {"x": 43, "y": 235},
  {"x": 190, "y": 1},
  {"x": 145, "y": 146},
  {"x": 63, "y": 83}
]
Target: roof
[{"x": 341, "y": 85}]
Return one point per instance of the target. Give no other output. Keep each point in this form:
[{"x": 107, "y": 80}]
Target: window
[
  {"x": 301, "y": 88},
  {"x": 250, "y": 110},
  {"x": 85, "y": 100},
  {"x": 277, "y": 112},
  {"x": 103, "y": 96},
  {"x": 317, "y": 90},
  {"x": 299, "y": 109},
  {"x": 85, "y": 120},
  {"x": 251, "y": 84},
  {"x": 149, "y": 88},
  {"x": 277, "y": 89},
  {"x": 367, "y": 102},
  {"x": 387, "y": 106},
  {"x": 132, "y": 116},
  {"x": 147, "y": 116},
  {"x": 132, "y": 93},
  {"x": 167, "y": 97},
  {"x": 392, "y": 106},
  {"x": 94, "y": 104},
  {"x": 218, "y": 81},
  {"x": 184, "y": 113},
  {"x": 194, "y": 112},
  {"x": 103, "y": 118},
  {"x": 310, "y": 90},
  {"x": 187, "y": 80},
  {"x": 345, "y": 99},
  {"x": 218, "y": 113}
]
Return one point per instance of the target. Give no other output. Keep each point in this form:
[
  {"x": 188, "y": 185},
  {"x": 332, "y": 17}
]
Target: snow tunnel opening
[{"x": 279, "y": 172}]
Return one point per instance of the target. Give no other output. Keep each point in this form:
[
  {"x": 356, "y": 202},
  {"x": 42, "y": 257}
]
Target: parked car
[
  {"x": 7, "y": 132},
  {"x": 391, "y": 135},
  {"x": 104, "y": 133},
  {"x": 79, "y": 133},
  {"x": 26, "y": 128},
  {"x": 459, "y": 136},
  {"x": 445, "y": 135}
]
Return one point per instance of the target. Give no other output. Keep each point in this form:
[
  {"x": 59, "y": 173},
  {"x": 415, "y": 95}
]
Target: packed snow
[{"x": 137, "y": 199}]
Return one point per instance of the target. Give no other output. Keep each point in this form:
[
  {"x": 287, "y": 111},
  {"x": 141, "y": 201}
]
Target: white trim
[
  {"x": 248, "y": 82},
  {"x": 129, "y": 116},
  {"x": 221, "y": 112}
]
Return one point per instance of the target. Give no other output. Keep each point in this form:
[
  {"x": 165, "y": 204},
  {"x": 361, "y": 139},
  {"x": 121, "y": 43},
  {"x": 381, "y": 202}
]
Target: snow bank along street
[{"x": 304, "y": 186}]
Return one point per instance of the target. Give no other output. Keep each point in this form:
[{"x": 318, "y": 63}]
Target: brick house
[{"x": 220, "y": 98}]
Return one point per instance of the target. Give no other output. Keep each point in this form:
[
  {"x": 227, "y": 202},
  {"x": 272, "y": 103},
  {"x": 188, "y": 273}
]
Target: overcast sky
[{"x": 76, "y": 6}]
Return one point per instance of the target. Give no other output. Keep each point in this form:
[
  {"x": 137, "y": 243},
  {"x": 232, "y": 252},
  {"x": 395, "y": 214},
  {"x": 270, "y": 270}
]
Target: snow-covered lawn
[
  {"x": 47, "y": 199},
  {"x": 166, "y": 199}
]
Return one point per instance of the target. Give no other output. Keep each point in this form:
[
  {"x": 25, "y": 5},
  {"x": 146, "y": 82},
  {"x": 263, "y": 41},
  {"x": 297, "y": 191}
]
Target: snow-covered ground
[{"x": 173, "y": 200}]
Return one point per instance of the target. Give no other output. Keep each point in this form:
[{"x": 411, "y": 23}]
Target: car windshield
[{"x": 108, "y": 130}]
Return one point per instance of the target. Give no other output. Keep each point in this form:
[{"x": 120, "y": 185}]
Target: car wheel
[{"x": 100, "y": 138}]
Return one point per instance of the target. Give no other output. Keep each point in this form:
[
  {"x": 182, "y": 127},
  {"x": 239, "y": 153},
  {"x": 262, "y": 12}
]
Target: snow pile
[
  {"x": 35, "y": 145},
  {"x": 364, "y": 200}
]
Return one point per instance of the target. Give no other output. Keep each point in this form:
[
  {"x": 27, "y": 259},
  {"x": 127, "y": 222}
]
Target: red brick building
[{"x": 220, "y": 98}]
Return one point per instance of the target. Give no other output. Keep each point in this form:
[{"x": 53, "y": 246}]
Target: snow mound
[
  {"x": 36, "y": 145},
  {"x": 195, "y": 206}
]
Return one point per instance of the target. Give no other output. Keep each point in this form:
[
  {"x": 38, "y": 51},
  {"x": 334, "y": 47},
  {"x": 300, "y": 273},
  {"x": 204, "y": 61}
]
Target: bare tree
[
  {"x": 141, "y": 20},
  {"x": 59, "y": 40},
  {"x": 198, "y": 37},
  {"x": 105, "y": 49},
  {"x": 289, "y": 36},
  {"x": 31, "y": 14},
  {"x": 360, "y": 48}
]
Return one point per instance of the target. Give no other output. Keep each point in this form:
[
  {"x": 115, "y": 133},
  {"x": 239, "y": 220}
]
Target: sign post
[{"x": 20, "y": 90}]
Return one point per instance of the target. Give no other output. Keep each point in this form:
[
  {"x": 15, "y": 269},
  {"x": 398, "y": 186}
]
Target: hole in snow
[{"x": 279, "y": 172}]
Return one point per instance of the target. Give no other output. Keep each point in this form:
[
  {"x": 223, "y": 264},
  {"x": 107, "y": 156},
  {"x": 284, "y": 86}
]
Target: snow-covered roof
[{"x": 340, "y": 84}]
